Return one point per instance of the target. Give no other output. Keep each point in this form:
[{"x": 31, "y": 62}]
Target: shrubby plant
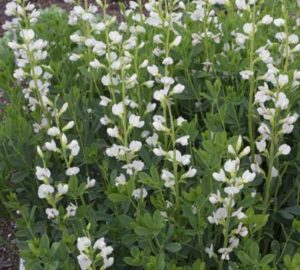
[{"x": 164, "y": 138}]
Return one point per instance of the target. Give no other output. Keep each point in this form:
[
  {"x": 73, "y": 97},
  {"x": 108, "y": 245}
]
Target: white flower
[
  {"x": 241, "y": 230},
  {"x": 239, "y": 214},
  {"x": 232, "y": 190},
  {"x": 168, "y": 178},
  {"x": 19, "y": 74},
  {"x": 120, "y": 180},
  {"x": 279, "y": 22},
  {"x": 210, "y": 251},
  {"x": 159, "y": 126},
  {"x": 64, "y": 140},
  {"x": 296, "y": 48},
  {"x": 179, "y": 121},
  {"x": 168, "y": 61},
  {"x": 282, "y": 101},
  {"x": 115, "y": 37},
  {"x": 27, "y": 34},
  {"x": 42, "y": 173},
  {"x": 293, "y": 39},
  {"x": 219, "y": 215},
  {"x": 68, "y": 126},
  {"x": 176, "y": 41},
  {"x": 215, "y": 198},
  {"x": 51, "y": 213},
  {"x": 84, "y": 261},
  {"x": 74, "y": 57},
  {"x": 11, "y": 9},
  {"x": 284, "y": 149},
  {"x": 159, "y": 152},
  {"x": 74, "y": 147},
  {"x": 220, "y": 176},
  {"x": 95, "y": 64},
  {"x": 106, "y": 251},
  {"x": 245, "y": 152},
  {"x": 159, "y": 95},
  {"x": 153, "y": 70},
  {"x": 139, "y": 193},
  {"x": 72, "y": 171},
  {"x": 113, "y": 132},
  {"x": 44, "y": 190},
  {"x": 150, "y": 107},
  {"x": 231, "y": 166},
  {"x": 135, "y": 166},
  {"x": 62, "y": 188},
  {"x": 184, "y": 140},
  {"x": 274, "y": 172},
  {"x": 249, "y": 28},
  {"x": 178, "y": 89},
  {"x": 261, "y": 145},
  {"x": 107, "y": 262},
  {"x": 149, "y": 84},
  {"x": 71, "y": 210},
  {"x": 167, "y": 81},
  {"x": 267, "y": 19},
  {"x": 283, "y": 80},
  {"x": 264, "y": 130},
  {"x": 118, "y": 109},
  {"x": 135, "y": 121},
  {"x": 83, "y": 243},
  {"x": 53, "y": 131},
  {"x": 246, "y": 74},
  {"x": 190, "y": 173},
  {"x": 135, "y": 146},
  {"x": 99, "y": 244},
  {"x": 104, "y": 101},
  {"x": 248, "y": 176},
  {"x": 90, "y": 42},
  {"x": 241, "y": 4},
  {"x": 152, "y": 140},
  {"x": 90, "y": 183},
  {"x": 225, "y": 253},
  {"x": 181, "y": 159}
]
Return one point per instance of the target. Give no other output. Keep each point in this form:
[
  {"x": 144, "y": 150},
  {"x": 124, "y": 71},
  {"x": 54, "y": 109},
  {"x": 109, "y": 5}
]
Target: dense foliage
[{"x": 163, "y": 138}]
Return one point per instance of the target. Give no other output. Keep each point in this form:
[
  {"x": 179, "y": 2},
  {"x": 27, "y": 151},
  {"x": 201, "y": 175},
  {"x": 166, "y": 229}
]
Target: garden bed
[{"x": 165, "y": 138}]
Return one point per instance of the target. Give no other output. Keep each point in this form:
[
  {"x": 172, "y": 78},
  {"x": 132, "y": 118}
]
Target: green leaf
[
  {"x": 267, "y": 259},
  {"x": 117, "y": 198},
  {"x": 173, "y": 247},
  {"x": 142, "y": 231}
]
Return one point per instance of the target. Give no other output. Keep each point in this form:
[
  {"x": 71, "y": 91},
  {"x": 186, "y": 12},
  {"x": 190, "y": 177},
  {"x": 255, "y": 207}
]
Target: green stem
[
  {"x": 175, "y": 165},
  {"x": 252, "y": 87}
]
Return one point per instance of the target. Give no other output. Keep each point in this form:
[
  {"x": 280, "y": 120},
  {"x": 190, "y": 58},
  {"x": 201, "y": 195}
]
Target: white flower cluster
[
  {"x": 232, "y": 181},
  {"x": 205, "y": 13},
  {"x": 270, "y": 106},
  {"x": 88, "y": 253},
  {"x": 29, "y": 56},
  {"x": 67, "y": 150},
  {"x": 85, "y": 37},
  {"x": 271, "y": 97},
  {"x": 20, "y": 10}
]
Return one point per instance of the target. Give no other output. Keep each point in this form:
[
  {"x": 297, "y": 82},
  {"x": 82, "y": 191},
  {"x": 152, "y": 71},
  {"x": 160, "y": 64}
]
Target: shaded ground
[{"x": 9, "y": 258}]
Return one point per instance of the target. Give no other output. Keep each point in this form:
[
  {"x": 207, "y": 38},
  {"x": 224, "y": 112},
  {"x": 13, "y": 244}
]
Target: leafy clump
[{"x": 164, "y": 138}]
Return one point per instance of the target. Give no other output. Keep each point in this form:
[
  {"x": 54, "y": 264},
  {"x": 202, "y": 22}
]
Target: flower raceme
[
  {"x": 233, "y": 182},
  {"x": 88, "y": 253}
]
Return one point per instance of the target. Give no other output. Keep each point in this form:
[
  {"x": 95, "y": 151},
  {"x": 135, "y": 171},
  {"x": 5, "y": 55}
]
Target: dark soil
[{"x": 9, "y": 257}]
